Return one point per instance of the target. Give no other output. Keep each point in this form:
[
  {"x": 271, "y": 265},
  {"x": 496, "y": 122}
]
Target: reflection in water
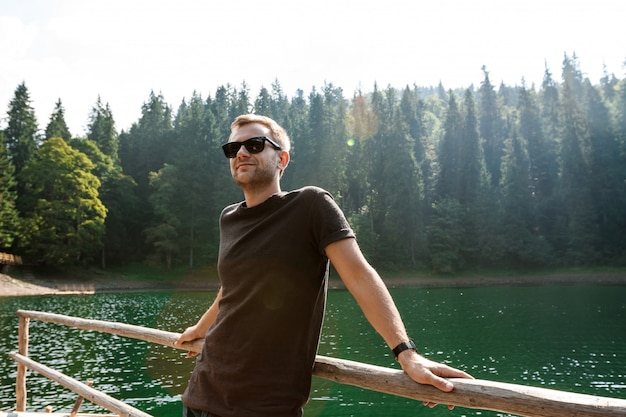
[{"x": 561, "y": 337}]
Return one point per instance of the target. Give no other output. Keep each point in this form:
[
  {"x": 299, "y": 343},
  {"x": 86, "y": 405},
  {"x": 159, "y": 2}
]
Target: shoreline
[{"x": 14, "y": 287}]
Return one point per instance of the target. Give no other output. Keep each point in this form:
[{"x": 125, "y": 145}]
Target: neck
[{"x": 254, "y": 197}]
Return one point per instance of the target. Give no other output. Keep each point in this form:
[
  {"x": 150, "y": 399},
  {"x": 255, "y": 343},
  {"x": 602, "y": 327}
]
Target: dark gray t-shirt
[{"x": 258, "y": 356}]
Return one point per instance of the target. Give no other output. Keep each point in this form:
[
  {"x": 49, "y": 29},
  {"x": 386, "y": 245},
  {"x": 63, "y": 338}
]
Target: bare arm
[
  {"x": 199, "y": 329},
  {"x": 374, "y": 299}
]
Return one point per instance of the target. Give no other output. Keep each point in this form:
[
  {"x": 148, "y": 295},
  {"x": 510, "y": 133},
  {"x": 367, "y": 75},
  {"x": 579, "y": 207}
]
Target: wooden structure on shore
[
  {"x": 8, "y": 259},
  {"x": 477, "y": 394}
]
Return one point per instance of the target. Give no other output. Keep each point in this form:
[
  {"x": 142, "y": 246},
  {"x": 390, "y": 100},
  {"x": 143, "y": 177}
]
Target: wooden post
[
  {"x": 78, "y": 402},
  {"x": 20, "y": 381}
]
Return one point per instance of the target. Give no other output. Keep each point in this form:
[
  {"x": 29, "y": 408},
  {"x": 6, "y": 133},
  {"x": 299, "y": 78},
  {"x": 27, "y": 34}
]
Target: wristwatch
[{"x": 402, "y": 347}]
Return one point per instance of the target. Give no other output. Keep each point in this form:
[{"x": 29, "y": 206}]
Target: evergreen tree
[
  {"x": 543, "y": 165},
  {"x": 199, "y": 172},
  {"x": 241, "y": 104},
  {"x": 9, "y": 220},
  {"x": 164, "y": 235},
  {"x": 21, "y": 132},
  {"x": 305, "y": 159},
  {"x": 471, "y": 162},
  {"x": 472, "y": 181},
  {"x": 145, "y": 149},
  {"x": 147, "y": 146},
  {"x": 395, "y": 194},
  {"x": 575, "y": 180},
  {"x": 66, "y": 224},
  {"x": 101, "y": 129},
  {"x": 297, "y": 124},
  {"x": 490, "y": 128},
  {"x": 279, "y": 104},
  {"x": 606, "y": 175},
  {"x": 445, "y": 236},
  {"x": 608, "y": 85},
  {"x": 262, "y": 104},
  {"x": 550, "y": 107},
  {"x": 57, "y": 128},
  {"x": 450, "y": 153},
  {"x": 521, "y": 245},
  {"x": 331, "y": 142}
]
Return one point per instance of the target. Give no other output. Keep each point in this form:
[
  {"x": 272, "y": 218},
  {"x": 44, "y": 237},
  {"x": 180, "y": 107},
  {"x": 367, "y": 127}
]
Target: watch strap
[{"x": 409, "y": 345}]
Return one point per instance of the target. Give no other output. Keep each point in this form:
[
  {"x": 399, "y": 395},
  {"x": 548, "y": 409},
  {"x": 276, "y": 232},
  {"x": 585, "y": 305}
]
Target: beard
[{"x": 263, "y": 176}]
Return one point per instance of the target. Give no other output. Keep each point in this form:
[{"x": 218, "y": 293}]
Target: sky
[{"x": 122, "y": 50}]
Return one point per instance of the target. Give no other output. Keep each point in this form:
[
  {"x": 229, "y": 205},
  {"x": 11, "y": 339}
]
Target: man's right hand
[{"x": 189, "y": 335}]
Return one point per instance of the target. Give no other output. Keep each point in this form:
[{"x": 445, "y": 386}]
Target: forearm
[
  {"x": 377, "y": 305},
  {"x": 368, "y": 289},
  {"x": 207, "y": 319}
]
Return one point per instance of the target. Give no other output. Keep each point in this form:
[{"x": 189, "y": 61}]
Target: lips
[{"x": 244, "y": 164}]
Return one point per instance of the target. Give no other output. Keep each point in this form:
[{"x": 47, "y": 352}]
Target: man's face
[{"x": 254, "y": 170}]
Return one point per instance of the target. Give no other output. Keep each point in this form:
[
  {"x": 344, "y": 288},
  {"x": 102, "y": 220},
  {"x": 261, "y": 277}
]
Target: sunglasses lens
[
  {"x": 231, "y": 149},
  {"x": 253, "y": 145}
]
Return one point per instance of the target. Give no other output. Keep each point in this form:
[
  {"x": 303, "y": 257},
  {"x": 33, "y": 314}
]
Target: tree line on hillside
[{"x": 509, "y": 177}]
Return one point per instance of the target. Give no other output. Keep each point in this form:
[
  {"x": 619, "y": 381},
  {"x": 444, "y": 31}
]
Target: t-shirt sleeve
[{"x": 328, "y": 220}]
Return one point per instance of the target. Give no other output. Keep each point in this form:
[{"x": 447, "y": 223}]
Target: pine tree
[
  {"x": 146, "y": 148},
  {"x": 21, "y": 133},
  {"x": 331, "y": 142},
  {"x": 57, "y": 128},
  {"x": 606, "y": 181},
  {"x": 279, "y": 104},
  {"x": 543, "y": 165},
  {"x": 575, "y": 179},
  {"x": 472, "y": 160},
  {"x": 450, "y": 153},
  {"x": 490, "y": 128},
  {"x": 473, "y": 180},
  {"x": 262, "y": 104},
  {"x": 522, "y": 245},
  {"x": 395, "y": 195},
  {"x": 297, "y": 124},
  {"x": 198, "y": 173},
  {"x": 101, "y": 129},
  {"x": 550, "y": 107}
]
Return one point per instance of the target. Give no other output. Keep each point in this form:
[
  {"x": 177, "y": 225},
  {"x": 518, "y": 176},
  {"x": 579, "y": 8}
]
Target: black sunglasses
[{"x": 253, "y": 145}]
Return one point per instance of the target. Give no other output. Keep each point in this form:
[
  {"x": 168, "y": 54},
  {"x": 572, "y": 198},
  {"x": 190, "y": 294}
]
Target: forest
[{"x": 431, "y": 179}]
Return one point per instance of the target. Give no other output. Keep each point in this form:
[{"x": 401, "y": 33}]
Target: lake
[{"x": 567, "y": 337}]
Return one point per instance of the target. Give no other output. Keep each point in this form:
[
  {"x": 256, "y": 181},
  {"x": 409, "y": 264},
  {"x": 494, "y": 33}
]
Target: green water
[{"x": 563, "y": 337}]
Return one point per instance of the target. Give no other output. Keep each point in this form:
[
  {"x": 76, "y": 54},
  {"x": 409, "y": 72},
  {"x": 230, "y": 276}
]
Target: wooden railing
[{"x": 477, "y": 394}]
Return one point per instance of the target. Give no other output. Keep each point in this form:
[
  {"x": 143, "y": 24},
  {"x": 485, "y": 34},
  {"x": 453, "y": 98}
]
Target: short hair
[{"x": 279, "y": 134}]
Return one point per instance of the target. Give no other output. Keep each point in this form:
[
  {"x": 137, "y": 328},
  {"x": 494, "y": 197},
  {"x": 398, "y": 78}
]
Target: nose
[{"x": 243, "y": 150}]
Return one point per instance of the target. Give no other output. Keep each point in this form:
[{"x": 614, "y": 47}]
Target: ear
[{"x": 283, "y": 160}]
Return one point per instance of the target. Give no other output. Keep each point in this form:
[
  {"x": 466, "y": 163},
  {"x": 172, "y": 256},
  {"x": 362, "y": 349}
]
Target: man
[{"x": 262, "y": 331}]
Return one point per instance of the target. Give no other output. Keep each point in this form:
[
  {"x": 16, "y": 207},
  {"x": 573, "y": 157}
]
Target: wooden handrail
[
  {"x": 93, "y": 395},
  {"x": 478, "y": 394}
]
